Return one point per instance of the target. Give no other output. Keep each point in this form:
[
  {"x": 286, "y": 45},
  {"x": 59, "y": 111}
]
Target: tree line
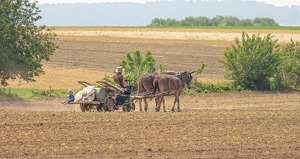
[{"x": 219, "y": 20}]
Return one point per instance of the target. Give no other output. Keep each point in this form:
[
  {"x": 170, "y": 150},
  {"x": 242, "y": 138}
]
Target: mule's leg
[
  {"x": 140, "y": 102},
  {"x": 173, "y": 108},
  {"x": 158, "y": 102},
  {"x": 163, "y": 100},
  {"x": 146, "y": 104},
  {"x": 178, "y": 108},
  {"x": 178, "y": 100}
]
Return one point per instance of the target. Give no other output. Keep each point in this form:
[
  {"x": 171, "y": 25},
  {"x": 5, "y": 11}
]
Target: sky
[{"x": 274, "y": 2}]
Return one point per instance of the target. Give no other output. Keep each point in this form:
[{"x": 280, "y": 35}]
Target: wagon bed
[{"x": 100, "y": 99}]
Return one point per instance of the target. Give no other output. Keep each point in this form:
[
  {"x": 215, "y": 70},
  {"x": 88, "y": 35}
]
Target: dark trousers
[{"x": 120, "y": 99}]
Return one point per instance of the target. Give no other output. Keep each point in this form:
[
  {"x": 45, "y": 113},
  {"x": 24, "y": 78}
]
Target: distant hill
[{"x": 141, "y": 14}]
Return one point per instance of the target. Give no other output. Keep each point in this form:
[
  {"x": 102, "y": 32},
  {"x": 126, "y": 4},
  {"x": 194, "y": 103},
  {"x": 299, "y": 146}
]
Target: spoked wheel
[
  {"x": 109, "y": 104},
  {"x": 85, "y": 107},
  {"x": 127, "y": 106}
]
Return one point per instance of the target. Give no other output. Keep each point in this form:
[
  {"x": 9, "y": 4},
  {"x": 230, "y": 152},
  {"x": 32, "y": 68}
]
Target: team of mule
[
  {"x": 164, "y": 84},
  {"x": 146, "y": 87}
]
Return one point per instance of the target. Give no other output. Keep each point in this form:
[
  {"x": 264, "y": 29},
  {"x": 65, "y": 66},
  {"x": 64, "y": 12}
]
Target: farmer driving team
[
  {"x": 118, "y": 78},
  {"x": 121, "y": 98}
]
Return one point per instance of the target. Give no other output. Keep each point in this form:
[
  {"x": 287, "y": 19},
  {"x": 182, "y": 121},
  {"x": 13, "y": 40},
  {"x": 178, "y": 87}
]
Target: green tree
[
  {"x": 252, "y": 62},
  {"x": 245, "y": 22},
  {"x": 171, "y": 22},
  {"x": 23, "y": 45},
  {"x": 156, "y": 22},
  {"x": 188, "y": 21},
  {"x": 135, "y": 65},
  {"x": 265, "y": 22},
  {"x": 231, "y": 21},
  {"x": 218, "y": 21},
  {"x": 202, "y": 21}
]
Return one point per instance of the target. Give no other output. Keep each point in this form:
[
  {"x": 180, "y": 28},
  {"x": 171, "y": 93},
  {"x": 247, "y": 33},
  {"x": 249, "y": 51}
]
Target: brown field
[{"x": 218, "y": 125}]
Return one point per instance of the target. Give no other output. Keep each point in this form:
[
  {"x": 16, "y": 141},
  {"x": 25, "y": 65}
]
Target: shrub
[
  {"x": 199, "y": 87},
  {"x": 252, "y": 62},
  {"x": 288, "y": 75}
]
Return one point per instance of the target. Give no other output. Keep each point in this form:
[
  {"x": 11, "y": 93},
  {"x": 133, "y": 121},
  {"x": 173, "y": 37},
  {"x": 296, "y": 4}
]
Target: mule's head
[{"x": 187, "y": 78}]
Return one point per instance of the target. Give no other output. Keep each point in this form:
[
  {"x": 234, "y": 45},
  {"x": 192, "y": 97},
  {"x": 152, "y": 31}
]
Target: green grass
[{"x": 26, "y": 93}]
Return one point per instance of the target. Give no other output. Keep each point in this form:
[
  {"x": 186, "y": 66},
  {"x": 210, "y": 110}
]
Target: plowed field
[{"x": 226, "y": 125}]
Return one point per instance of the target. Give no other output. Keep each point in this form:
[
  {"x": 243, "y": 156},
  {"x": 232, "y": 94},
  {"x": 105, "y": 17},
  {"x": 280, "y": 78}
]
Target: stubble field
[{"x": 228, "y": 125}]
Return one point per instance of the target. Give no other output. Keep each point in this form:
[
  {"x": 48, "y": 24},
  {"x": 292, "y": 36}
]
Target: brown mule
[
  {"x": 146, "y": 87},
  {"x": 171, "y": 85}
]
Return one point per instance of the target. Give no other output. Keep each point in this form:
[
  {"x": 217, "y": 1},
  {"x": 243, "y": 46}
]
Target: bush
[
  {"x": 252, "y": 62},
  {"x": 199, "y": 87},
  {"x": 288, "y": 75}
]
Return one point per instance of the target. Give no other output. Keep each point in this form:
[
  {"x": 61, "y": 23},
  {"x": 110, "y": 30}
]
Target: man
[
  {"x": 126, "y": 91},
  {"x": 118, "y": 77}
]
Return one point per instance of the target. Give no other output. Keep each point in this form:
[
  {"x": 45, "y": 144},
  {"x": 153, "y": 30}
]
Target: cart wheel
[
  {"x": 85, "y": 107},
  {"x": 126, "y": 106},
  {"x": 109, "y": 104}
]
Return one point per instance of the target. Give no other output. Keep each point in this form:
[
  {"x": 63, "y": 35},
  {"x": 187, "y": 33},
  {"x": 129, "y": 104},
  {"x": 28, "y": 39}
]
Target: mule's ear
[{"x": 192, "y": 72}]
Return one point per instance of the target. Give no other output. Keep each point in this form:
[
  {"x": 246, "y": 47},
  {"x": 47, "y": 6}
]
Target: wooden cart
[{"x": 100, "y": 99}]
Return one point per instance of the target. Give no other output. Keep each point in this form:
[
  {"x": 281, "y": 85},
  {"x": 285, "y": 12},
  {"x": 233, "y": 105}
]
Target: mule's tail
[{"x": 155, "y": 86}]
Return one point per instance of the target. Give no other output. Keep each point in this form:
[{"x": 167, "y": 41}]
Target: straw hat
[{"x": 119, "y": 70}]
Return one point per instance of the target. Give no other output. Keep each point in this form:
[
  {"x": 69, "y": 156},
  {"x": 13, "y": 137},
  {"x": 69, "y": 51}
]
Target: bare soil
[
  {"x": 227, "y": 125},
  {"x": 218, "y": 125}
]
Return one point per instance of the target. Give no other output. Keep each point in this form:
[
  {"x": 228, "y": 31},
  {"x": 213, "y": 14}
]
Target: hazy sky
[{"x": 274, "y": 2}]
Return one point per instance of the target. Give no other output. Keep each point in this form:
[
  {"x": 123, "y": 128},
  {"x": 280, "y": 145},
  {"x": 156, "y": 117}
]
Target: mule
[
  {"x": 165, "y": 85},
  {"x": 146, "y": 87}
]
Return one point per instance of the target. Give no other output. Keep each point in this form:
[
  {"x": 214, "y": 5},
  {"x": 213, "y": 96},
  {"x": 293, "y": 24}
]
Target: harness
[
  {"x": 178, "y": 80},
  {"x": 145, "y": 78}
]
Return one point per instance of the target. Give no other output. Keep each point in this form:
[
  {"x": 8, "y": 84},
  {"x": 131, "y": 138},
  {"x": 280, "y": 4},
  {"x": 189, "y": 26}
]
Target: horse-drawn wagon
[
  {"x": 152, "y": 86},
  {"x": 100, "y": 99}
]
